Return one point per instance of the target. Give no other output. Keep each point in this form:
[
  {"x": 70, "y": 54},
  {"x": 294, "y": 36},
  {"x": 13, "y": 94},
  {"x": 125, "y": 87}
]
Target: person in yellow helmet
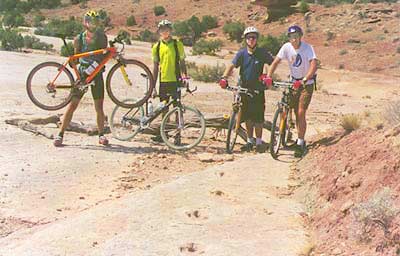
[{"x": 93, "y": 38}]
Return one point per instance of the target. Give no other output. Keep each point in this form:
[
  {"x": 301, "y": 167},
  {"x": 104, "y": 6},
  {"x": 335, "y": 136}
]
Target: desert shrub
[
  {"x": 271, "y": 43},
  {"x": 10, "y": 40},
  {"x": 58, "y": 27},
  {"x": 350, "y": 122},
  {"x": 78, "y": 1},
  {"x": 330, "y": 35},
  {"x": 189, "y": 30},
  {"x": 37, "y": 20},
  {"x": 33, "y": 42},
  {"x": 234, "y": 30},
  {"x": 304, "y": 7},
  {"x": 343, "y": 52},
  {"x": 159, "y": 10},
  {"x": 209, "y": 22},
  {"x": 13, "y": 19},
  {"x": 206, "y": 47},
  {"x": 68, "y": 50},
  {"x": 376, "y": 213},
  {"x": 131, "y": 21},
  {"x": 205, "y": 73},
  {"x": 147, "y": 36},
  {"x": 398, "y": 49},
  {"x": 125, "y": 36}
]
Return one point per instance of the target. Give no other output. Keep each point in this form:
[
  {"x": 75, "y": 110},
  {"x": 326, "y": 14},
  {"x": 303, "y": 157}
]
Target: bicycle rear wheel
[
  {"x": 183, "y": 128},
  {"x": 49, "y": 86},
  {"x": 232, "y": 131},
  {"x": 277, "y": 129},
  {"x": 124, "y": 122},
  {"x": 129, "y": 79}
]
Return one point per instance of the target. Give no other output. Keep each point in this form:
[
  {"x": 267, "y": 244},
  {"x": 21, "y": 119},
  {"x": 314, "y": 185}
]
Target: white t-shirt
[{"x": 299, "y": 59}]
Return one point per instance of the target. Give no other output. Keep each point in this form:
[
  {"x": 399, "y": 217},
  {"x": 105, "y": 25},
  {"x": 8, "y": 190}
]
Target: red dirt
[{"x": 346, "y": 170}]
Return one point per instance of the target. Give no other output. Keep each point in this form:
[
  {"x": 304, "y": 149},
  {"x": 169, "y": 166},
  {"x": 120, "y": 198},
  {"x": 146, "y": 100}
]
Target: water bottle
[
  {"x": 150, "y": 109},
  {"x": 91, "y": 68},
  {"x": 160, "y": 106}
]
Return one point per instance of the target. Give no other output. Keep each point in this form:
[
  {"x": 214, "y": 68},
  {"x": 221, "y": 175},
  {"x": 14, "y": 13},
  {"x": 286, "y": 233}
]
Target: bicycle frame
[{"x": 109, "y": 52}]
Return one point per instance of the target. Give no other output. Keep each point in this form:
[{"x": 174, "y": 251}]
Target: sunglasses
[
  {"x": 251, "y": 37},
  {"x": 294, "y": 35}
]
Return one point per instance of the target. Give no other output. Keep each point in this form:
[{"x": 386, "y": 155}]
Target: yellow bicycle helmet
[{"x": 91, "y": 15}]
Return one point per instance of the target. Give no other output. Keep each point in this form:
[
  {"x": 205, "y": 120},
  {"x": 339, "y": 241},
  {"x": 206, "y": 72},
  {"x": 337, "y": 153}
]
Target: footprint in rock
[
  {"x": 217, "y": 193},
  {"x": 195, "y": 214},
  {"x": 190, "y": 247}
]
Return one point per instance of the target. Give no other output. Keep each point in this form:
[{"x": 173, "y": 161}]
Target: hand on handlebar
[
  {"x": 266, "y": 80},
  {"x": 297, "y": 84},
  {"x": 223, "y": 83}
]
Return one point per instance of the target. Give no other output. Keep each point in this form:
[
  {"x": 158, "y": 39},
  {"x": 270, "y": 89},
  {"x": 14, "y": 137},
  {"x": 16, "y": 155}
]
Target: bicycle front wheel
[
  {"x": 277, "y": 130},
  {"x": 129, "y": 79},
  {"x": 49, "y": 86},
  {"x": 124, "y": 122},
  {"x": 183, "y": 128},
  {"x": 233, "y": 127}
]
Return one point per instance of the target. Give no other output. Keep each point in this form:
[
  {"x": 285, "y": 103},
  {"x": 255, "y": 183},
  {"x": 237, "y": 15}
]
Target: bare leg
[
  {"x": 98, "y": 105},
  {"x": 258, "y": 128},
  {"x": 69, "y": 113},
  {"x": 249, "y": 129},
  {"x": 302, "y": 123}
]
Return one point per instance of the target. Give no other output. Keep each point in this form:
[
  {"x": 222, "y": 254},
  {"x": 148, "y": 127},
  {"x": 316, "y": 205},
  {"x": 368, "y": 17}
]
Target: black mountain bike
[
  {"x": 234, "y": 125},
  {"x": 282, "y": 123},
  {"x": 182, "y": 128}
]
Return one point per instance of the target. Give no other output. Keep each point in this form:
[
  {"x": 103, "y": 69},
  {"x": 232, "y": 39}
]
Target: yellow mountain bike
[{"x": 49, "y": 84}]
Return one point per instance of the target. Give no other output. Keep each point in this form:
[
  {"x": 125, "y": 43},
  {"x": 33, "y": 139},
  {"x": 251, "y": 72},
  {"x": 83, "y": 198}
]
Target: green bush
[
  {"x": 37, "y": 20},
  {"x": 45, "y": 4},
  {"x": 271, "y": 43},
  {"x": 10, "y": 40},
  {"x": 205, "y": 73},
  {"x": 68, "y": 50},
  {"x": 234, "y": 30},
  {"x": 34, "y": 43},
  {"x": 13, "y": 19},
  {"x": 304, "y": 7},
  {"x": 56, "y": 27},
  {"x": 125, "y": 36},
  {"x": 206, "y": 47},
  {"x": 105, "y": 19},
  {"x": 131, "y": 21},
  {"x": 78, "y": 1},
  {"x": 147, "y": 36},
  {"x": 209, "y": 22},
  {"x": 159, "y": 10},
  {"x": 189, "y": 30}
]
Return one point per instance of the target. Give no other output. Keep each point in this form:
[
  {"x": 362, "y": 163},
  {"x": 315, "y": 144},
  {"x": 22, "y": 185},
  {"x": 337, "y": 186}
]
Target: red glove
[
  {"x": 223, "y": 83},
  {"x": 266, "y": 80},
  {"x": 297, "y": 84}
]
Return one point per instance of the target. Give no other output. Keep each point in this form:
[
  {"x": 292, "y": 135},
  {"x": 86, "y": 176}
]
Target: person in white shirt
[{"x": 303, "y": 66}]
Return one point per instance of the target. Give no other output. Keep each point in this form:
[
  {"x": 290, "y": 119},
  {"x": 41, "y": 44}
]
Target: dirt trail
[{"x": 48, "y": 193}]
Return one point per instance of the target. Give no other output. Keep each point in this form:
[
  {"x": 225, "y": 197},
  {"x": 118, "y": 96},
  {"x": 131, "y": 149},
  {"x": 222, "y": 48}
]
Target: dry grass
[
  {"x": 376, "y": 213},
  {"x": 350, "y": 122}
]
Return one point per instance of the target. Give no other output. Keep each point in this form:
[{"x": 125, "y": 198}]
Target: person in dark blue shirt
[{"x": 252, "y": 62}]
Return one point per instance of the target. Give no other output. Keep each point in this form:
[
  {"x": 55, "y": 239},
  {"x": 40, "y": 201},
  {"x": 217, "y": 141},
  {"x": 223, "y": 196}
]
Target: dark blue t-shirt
[{"x": 251, "y": 66}]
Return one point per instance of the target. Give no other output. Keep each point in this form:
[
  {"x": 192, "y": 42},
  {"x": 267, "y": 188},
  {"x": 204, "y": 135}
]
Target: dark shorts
[
  {"x": 97, "y": 89},
  {"x": 167, "y": 90},
  {"x": 253, "y": 108},
  {"x": 302, "y": 97}
]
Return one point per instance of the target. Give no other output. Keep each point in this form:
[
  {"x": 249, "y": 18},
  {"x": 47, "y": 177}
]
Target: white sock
[
  {"x": 250, "y": 140},
  {"x": 300, "y": 142},
  {"x": 258, "y": 141}
]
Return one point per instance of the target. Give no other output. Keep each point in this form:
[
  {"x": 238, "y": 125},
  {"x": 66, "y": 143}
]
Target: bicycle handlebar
[{"x": 249, "y": 92}]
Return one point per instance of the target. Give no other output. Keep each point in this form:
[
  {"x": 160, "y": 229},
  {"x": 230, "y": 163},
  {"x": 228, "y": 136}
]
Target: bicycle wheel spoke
[
  {"x": 46, "y": 92},
  {"x": 183, "y": 130},
  {"x": 132, "y": 80},
  {"x": 126, "y": 123}
]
